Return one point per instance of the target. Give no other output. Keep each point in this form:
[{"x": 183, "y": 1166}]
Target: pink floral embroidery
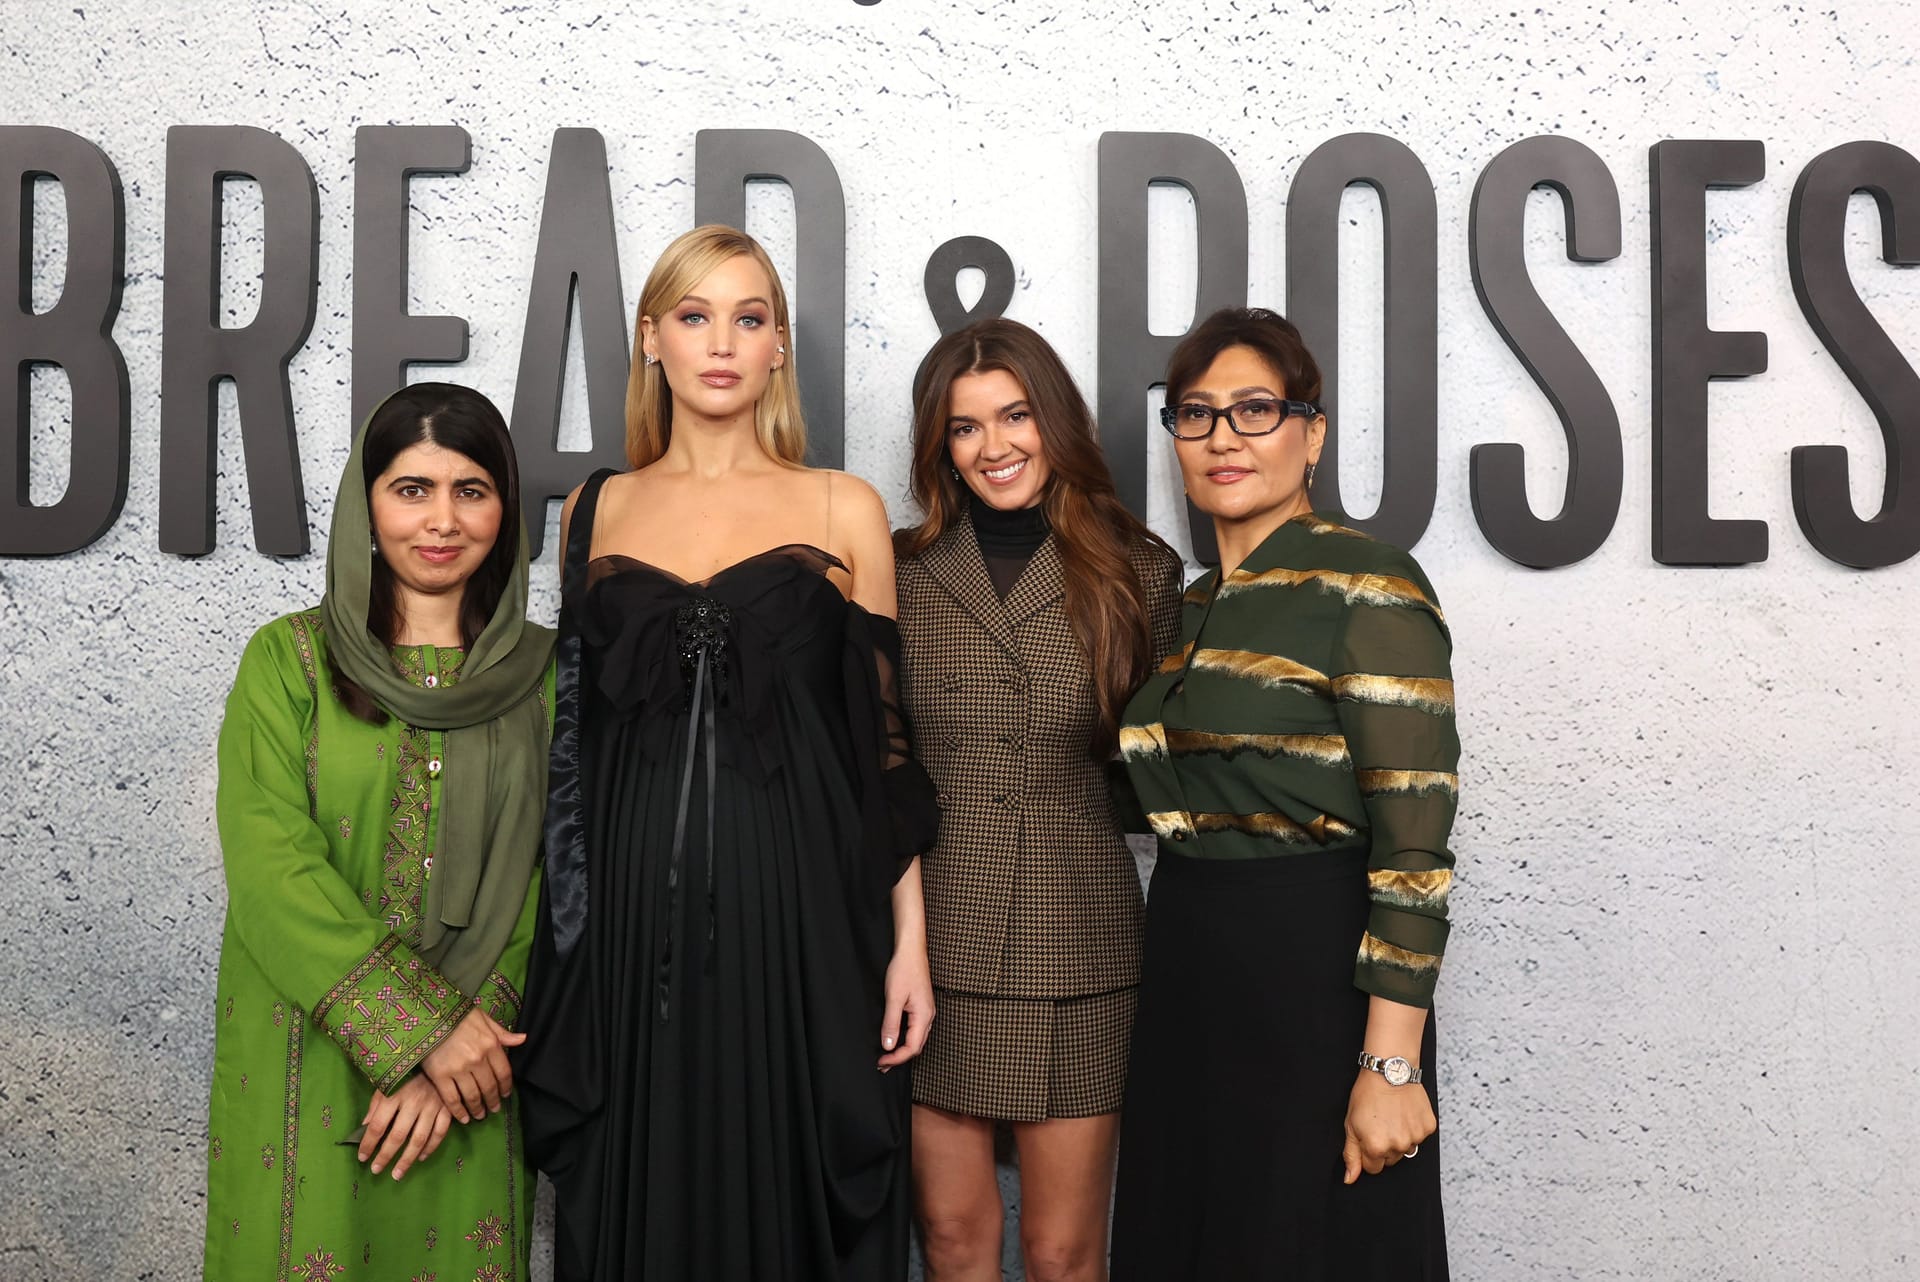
[
  {"x": 319, "y": 1266},
  {"x": 266, "y": 1156},
  {"x": 491, "y": 1273},
  {"x": 488, "y": 1233},
  {"x": 326, "y": 1117}
]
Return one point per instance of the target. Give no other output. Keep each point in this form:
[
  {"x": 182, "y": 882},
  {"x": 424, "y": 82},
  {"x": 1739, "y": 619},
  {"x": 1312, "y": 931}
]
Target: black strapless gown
[{"x": 732, "y": 802}]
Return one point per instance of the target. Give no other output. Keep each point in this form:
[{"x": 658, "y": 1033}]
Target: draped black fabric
[
  {"x": 704, "y": 1006},
  {"x": 1236, "y": 1103}
]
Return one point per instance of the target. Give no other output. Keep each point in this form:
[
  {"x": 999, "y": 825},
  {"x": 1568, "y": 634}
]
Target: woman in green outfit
[
  {"x": 382, "y": 780},
  {"x": 1297, "y": 761}
]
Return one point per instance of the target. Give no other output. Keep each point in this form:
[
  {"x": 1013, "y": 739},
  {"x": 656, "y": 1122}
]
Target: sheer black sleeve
[{"x": 901, "y": 807}]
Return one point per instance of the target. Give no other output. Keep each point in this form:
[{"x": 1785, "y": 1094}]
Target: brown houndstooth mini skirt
[{"x": 1026, "y": 1061}]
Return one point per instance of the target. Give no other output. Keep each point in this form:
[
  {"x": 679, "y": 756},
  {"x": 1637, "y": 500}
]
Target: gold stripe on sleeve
[
  {"x": 1355, "y": 589},
  {"x": 1429, "y": 694},
  {"x": 1277, "y": 827},
  {"x": 1271, "y": 670},
  {"x": 1374, "y": 783},
  {"x": 1418, "y": 890},
  {"x": 1171, "y": 824},
  {"x": 1325, "y": 749},
  {"x": 1138, "y": 743},
  {"x": 1378, "y": 952}
]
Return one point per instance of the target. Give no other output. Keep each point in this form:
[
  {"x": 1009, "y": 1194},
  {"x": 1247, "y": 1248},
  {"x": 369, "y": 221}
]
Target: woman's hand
[
  {"x": 470, "y": 1069},
  {"x": 909, "y": 992},
  {"x": 406, "y": 1125},
  {"x": 1384, "y": 1124}
]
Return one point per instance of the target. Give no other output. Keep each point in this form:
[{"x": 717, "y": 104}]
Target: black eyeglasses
[{"x": 1256, "y": 416}]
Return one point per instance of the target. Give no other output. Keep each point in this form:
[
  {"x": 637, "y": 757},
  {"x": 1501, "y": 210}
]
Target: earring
[
  {"x": 782, "y": 350},
  {"x": 955, "y": 471},
  {"x": 1311, "y": 469},
  {"x": 373, "y": 545},
  {"x": 651, "y": 359}
]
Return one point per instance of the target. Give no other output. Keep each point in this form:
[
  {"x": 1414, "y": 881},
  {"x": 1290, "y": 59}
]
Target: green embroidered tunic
[
  {"x": 1310, "y": 709},
  {"x": 327, "y": 829}
]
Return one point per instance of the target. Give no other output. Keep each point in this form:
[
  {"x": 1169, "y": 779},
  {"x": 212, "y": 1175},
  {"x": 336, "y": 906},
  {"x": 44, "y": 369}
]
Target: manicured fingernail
[
  {"x": 376, "y": 1168},
  {"x": 887, "y": 1042}
]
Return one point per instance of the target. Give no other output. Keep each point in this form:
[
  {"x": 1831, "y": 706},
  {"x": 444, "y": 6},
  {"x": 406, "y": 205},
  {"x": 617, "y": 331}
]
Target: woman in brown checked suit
[{"x": 1032, "y": 604}]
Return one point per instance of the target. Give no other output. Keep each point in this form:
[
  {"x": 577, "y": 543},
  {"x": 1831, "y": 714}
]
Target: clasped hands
[{"x": 464, "y": 1079}]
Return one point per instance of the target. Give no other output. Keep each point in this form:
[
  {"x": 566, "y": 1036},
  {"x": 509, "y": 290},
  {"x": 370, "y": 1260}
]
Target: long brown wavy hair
[{"x": 1106, "y": 604}]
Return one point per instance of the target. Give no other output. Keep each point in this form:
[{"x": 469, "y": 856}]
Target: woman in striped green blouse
[{"x": 1296, "y": 759}]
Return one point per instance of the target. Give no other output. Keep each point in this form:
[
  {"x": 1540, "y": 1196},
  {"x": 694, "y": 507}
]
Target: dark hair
[
  {"x": 1093, "y": 529},
  {"x": 1271, "y": 335},
  {"x": 462, "y": 420}
]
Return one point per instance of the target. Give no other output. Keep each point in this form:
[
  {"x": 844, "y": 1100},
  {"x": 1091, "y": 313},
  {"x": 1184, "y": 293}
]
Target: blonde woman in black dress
[{"x": 733, "y": 956}]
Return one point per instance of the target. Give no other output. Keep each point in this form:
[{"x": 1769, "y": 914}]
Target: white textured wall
[{"x": 1677, "y": 1017}]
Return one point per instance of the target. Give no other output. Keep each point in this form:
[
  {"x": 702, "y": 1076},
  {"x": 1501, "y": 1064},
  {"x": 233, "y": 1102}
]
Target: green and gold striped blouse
[{"x": 1309, "y": 709}]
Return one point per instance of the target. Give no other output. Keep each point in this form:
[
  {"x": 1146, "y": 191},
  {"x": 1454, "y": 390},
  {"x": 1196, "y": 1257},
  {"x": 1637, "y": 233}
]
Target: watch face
[{"x": 1397, "y": 1071}]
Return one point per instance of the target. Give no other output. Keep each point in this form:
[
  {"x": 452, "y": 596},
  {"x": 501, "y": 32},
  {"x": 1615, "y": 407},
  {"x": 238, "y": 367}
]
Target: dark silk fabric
[{"x": 699, "y": 1079}]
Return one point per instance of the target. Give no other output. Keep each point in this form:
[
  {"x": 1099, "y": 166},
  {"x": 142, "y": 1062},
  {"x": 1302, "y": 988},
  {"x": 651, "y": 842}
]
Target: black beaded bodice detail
[{"x": 703, "y": 627}]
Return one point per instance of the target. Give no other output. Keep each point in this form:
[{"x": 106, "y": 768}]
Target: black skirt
[{"x": 1242, "y": 1065}]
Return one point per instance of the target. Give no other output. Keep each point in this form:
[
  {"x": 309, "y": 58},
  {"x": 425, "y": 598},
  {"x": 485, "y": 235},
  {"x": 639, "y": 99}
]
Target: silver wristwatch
[{"x": 1395, "y": 1069}]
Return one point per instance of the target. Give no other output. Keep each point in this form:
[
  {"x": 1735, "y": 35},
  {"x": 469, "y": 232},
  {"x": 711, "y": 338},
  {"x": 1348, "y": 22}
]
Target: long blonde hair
[{"x": 777, "y": 420}]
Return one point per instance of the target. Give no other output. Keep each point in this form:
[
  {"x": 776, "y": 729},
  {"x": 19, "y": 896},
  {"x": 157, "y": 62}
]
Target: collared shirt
[{"x": 1310, "y": 709}]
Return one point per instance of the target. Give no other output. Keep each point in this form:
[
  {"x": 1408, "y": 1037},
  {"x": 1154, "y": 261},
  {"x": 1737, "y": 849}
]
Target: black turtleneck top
[{"x": 1008, "y": 540}]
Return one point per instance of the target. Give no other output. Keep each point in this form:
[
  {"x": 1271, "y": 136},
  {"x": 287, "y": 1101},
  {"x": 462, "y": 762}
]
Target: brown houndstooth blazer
[{"x": 1031, "y": 891}]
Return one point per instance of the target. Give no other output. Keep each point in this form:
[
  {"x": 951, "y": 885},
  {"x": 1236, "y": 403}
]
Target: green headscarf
[{"x": 494, "y": 782}]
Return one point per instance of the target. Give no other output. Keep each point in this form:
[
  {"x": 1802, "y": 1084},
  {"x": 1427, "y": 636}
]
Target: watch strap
[{"x": 1378, "y": 1064}]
